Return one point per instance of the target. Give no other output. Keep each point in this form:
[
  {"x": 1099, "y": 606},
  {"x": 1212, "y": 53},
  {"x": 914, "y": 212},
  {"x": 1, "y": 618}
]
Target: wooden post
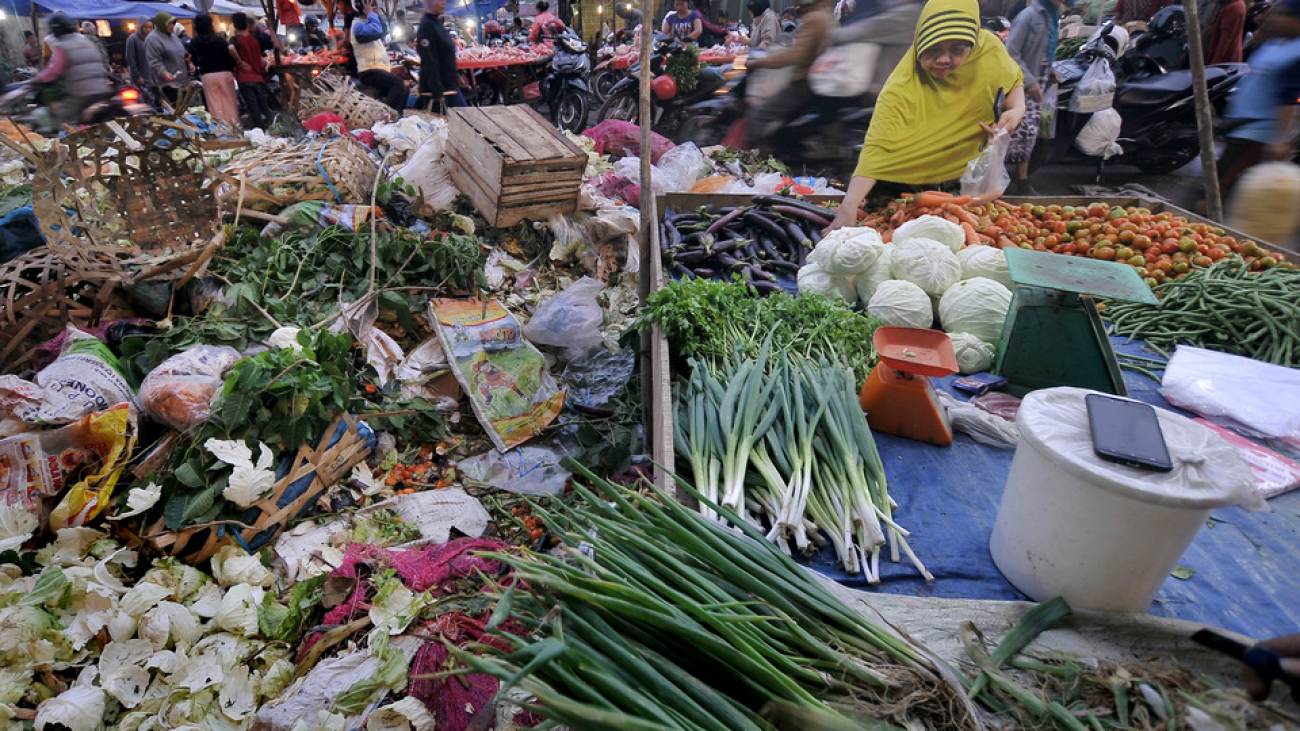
[{"x": 1204, "y": 114}]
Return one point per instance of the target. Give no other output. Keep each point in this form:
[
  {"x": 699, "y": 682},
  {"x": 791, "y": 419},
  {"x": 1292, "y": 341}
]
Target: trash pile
[{"x": 265, "y": 400}]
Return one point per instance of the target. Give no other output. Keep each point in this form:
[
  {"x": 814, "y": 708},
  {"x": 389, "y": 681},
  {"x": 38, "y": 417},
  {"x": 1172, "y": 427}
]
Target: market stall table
[{"x": 509, "y": 75}]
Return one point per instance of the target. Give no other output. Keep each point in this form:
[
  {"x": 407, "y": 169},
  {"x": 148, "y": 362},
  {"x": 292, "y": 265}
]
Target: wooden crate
[{"x": 513, "y": 164}]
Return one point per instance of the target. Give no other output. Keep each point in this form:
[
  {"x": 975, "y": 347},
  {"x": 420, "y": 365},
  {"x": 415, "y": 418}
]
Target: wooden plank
[
  {"x": 491, "y": 130},
  {"x": 474, "y": 149},
  {"x": 466, "y": 182},
  {"x": 510, "y": 216},
  {"x": 535, "y": 132}
]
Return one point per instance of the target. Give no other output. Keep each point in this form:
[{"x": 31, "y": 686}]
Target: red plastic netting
[{"x": 617, "y": 138}]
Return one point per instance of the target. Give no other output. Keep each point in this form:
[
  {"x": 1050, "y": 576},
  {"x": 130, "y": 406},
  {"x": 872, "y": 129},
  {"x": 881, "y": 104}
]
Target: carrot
[
  {"x": 972, "y": 238},
  {"x": 960, "y": 200},
  {"x": 933, "y": 198},
  {"x": 1005, "y": 243},
  {"x": 963, "y": 215},
  {"x": 887, "y": 236}
]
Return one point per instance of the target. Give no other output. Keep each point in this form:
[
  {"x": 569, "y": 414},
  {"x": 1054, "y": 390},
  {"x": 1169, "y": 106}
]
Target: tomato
[
  {"x": 1073, "y": 226},
  {"x": 1052, "y": 240},
  {"x": 1268, "y": 262},
  {"x": 1083, "y": 249},
  {"x": 1203, "y": 248},
  {"x": 1202, "y": 261},
  {"x": 1142, "y": 241},
  {"x": 1038, "y": 211},
  {"x": 1127, "y": 237},
  {"x": 1186, "y": 244},
  {"x": 1169, "y": 246},
  {"x": 1181, "y": 267},
  {"x": 1126, "y": 226},
  {"x": 1105, "y": 253},
  {"x": 1124, "y": 253},
  {"x": 1027, "y": 207},
  {"x": 1097, "y": 210},
  {"x": 1039, "y": 247},
  {"x": 1138, "y": 261},
  {"x": 1151, "y": 282},
  {"x": 1158, "y": 275},
  {"x": 1165, "y": 265},
  {"x": 1117, "y": 213}
]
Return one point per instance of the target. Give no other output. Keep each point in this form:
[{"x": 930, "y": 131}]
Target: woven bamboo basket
[
  {"x": 41, "y": 293},
  {"x": 319, "y": 467},
  {"x": 337, "y": 94},
  {"x": 269, "y": 178},
  {"x": 129, "y": 195}
]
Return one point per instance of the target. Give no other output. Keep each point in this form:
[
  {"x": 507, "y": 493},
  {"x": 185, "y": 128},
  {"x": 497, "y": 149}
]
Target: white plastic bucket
[{"x": 1101, "y": 535}]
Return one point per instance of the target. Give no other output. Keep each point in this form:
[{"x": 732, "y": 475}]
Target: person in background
[
  {"x": 931, "y": 119},
  {"x": 216, "y": 61},
  {"x": 1094, "y": 12},
  {"x": 251, "y": 74},
  {"x": 765, "y": 118},
  {"x": 1128, "y": 11},
  {"x": 724, "y": 22},
  {"x": 631, "y": 16},
  {"x": 789, "y": 23},
  {"x": 765, "y": 30},
  {"x": 890, "y": 30},
  {"x": 265, "y": 38},
  {"x": 31, "y": 49},
  {"x": 1263, "y": 106},
  {"x": 439, "y": 81},
  {"x": 167, "y": 59},
  {"x": 1032, "y": 44},
  {"x": 78, "y": 63},
  {"x": 312, "y": 36},
  {"x": 683, "y": 24},
  {"x": 1227, "y": 32},
  {"x": 89, "y": 31},
  {"x": 290, "y": 16},
  {"x": 137, "y": 66},
  {"x": 712, "y": 34},
  {"x": 372, "y": 56},
  {"x": 401, "y": 32},
  {"x": 1008, "y": 9},
  {"x": 178, "y": 30},
  {"x": 998, "y": 26},
  {"x": 546, "y": 24}
]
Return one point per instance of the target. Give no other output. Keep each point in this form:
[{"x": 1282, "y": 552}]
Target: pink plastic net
[{"x": 617, "y": 138}]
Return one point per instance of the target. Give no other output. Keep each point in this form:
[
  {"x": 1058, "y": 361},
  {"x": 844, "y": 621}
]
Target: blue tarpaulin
[
  {"x": 102, "y": 9},
  {"x": 1245, "y": 563}
]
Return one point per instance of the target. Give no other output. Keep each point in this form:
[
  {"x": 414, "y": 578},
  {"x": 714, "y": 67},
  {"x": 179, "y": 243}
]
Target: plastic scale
[
  {"x": 898, "y": 396},
  {"x": 1053, "y": 334}
]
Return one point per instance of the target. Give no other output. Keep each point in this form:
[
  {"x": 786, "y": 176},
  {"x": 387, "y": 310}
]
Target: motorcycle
[
  {"x": 826, "y": 138},
  {"x": 670, "y": 107},
  {"x": 20, "y": 101},
  {"x": 609, "y": 69},
  {"x": 1165, "y": 39},
  {"x": 1158, "y": 132},
  {"x": 563, "y": 87}
]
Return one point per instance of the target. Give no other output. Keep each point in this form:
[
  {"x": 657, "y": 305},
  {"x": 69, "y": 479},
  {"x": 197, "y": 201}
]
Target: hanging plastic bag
[
  {"x": 986, "y": 176},
  {"x": 845, "y": 70},
  {"x": 1099, "y": 137},
  {"x": 1047, "y": 112},
  {"x": 1096, "y": 90}
]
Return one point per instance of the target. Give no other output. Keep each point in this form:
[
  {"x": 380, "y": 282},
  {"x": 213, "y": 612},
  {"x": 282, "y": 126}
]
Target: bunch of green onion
[
  {"x": 653, "y": 617},
  {"x": 788, "y": 440}
]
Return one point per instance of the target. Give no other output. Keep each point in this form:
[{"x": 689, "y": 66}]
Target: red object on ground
[
  {"x": 365, "y": 137},
  {"x": 319, "y": 122},
  {"x": 620, "y": 139}
]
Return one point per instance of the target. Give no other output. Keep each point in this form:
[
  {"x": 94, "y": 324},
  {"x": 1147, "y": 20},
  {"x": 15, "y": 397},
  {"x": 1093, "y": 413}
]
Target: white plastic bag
[
  {"x": 1100, "y": 135},
  {"x": 427, "y": 171},
  {"x": 1096, "y": 90},
  {"x": 986, "y": 176},
  {"x": 1235, "y": 390},
  {"x": 682, "y": 166},
  {"x": 180, "y": 391},
  {"x": 845, "y": 70},
  {"x": 1047, "y": 112},
  {"x": 85, "y": 378},
  {"x": 570, "y": 319}
]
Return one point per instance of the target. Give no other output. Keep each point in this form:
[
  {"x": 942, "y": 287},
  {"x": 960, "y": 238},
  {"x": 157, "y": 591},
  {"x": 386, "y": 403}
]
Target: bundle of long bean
[
  {"x": 787, "y": 440},
  {"x": 1225, "y": 307},
  {"x": 657, "y": 618}
]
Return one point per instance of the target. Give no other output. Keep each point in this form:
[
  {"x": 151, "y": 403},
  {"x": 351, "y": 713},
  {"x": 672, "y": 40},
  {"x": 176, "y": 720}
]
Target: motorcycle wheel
[
  {"x": 703, "y": 130},
  {"x": 1163, "y": 162},
  {"x": 623, "y": 106},
  {"x": 602, "y": 82},
  {"x": 487, "y": 94},
  {"x": 571, "y": 110}
]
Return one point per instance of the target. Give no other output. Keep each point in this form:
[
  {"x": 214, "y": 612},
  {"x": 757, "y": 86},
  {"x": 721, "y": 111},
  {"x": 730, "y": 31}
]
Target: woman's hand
[
  {"x": 847, "y": 216},
  {"x": 853, "y": 199},
  {"x": 1289, "y": 648},
  {"x": 1010, "y": 118},
  {"x": 1035, "y": 92}
]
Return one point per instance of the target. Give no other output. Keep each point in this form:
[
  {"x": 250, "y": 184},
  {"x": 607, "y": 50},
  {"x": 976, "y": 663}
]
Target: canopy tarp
[
  {"x": 219, "y": 7},
  {"x": 102, "y": 9}
]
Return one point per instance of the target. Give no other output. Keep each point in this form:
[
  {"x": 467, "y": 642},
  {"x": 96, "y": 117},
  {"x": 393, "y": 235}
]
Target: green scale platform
[{"x": 1053, "y": 335}]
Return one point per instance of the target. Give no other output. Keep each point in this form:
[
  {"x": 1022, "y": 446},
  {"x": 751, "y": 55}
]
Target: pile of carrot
[{"x": 930, "y": 203}]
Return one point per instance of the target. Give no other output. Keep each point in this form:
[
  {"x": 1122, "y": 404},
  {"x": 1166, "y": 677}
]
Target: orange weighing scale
[{"x": 898, "y": 396}]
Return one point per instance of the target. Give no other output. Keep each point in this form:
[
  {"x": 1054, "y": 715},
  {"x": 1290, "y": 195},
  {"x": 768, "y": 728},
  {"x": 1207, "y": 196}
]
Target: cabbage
[
  {"x": 238, "y": 610},
  {"x": 17, "y": 525},
  {"x": 926, "y": 263},
  {"x": 866, "y": 282},
  {"x": 901, "y": 304},
  {"x": 973, "y": 355},
  {"x": 812, "y": 279},
  {"x": 977, "y": 306},
  {"x": 847, "y": 251},
  {"x": 934, "y": 228},
  {"x": 232, "y": 565},
  {"x": 79, "y": 708},
  {"x": 985, "y": 261}
]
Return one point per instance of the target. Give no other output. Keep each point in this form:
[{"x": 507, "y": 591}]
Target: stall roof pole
[{"x": 1204, "y": 113}]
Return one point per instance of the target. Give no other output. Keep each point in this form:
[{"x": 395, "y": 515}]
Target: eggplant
[
  {"x": 781, "y": 200},
  {"x": 682, "y": 272},
  {"x": 766, "y": 287},
  {"x": 766, "y": 248},
  {"x": 674, "y": 236},
  {"x": 722, "y": 223},
  {"x": 704, "y": 272},
  {"x": 753, "y": 272},
  {"x": 758, "y": 220},
  {"x": 802, "y": 214},
  {"x": 690, "y": 257},
  {"x": 782, "y": 265},
  {"x": 797, "y": 235}
]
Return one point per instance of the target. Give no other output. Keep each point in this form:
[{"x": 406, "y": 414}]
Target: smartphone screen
[{"x": 1127, "y": 432}]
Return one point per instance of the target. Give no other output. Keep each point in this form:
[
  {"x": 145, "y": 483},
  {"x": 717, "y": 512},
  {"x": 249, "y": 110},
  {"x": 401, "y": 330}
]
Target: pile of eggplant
[{"x": 765, "y": 242}]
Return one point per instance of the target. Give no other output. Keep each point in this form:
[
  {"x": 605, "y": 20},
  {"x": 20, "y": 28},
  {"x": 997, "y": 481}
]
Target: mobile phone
[{"x": 1127, "y": 432}]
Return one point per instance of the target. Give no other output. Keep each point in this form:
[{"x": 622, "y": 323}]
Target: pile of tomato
[{"x": 1160, "y": 246}]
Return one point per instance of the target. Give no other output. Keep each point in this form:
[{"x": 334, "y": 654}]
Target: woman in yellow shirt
[{"x": 936, "y": 109}]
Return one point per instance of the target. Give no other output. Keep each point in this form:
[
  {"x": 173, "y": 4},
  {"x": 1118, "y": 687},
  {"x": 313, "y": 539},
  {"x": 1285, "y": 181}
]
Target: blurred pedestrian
[
  {"x": 137, "y": 65},
  {"x": 167, "y": 59},
  {"x": 216, "y": 61},
  {"x": 251, "y": 75},
  {"x": 1227, "y": 32},
  {"x": 439, "y": 80},
  {"x": 1032, "y": 44}
]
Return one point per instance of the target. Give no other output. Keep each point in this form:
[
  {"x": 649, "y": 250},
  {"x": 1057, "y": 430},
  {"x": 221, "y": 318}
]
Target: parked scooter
[
  {"x": 825, "y": 139},
  {"x": 1165, "y": 39},
  {"x": 564, "y": 87},
  {"x": 1159, "y": 132},
  {"x": 670, "y": 107}
]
